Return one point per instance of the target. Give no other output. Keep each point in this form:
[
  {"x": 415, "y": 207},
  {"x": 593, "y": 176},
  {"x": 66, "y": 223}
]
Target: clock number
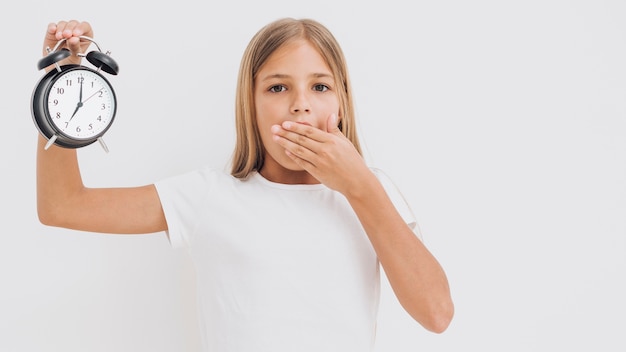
[
  {"x": 103, "y": 107},
  {"x": 90, "y": 126},
  {"x": 81, "y": 79},
  {"x": 58, "y": 115},
  {"x": 55, "y": 102},
  {"x": 68, "y": 82},
  {"x": 78, "y": 129},
  {"x": 60, "y": 90}
]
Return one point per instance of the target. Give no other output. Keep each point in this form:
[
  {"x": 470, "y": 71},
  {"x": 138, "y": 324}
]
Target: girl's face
[{"x": 294, "y": 84}]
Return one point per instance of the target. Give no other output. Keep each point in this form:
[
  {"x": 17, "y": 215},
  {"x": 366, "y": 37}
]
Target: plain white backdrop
[{"x": 503, "y": 122}]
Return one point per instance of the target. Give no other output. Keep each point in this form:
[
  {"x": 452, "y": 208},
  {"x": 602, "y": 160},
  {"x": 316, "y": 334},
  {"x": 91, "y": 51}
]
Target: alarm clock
[{"x": 74, "y": 105}]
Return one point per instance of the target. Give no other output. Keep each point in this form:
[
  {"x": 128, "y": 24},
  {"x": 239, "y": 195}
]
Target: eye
[
  {"x": 320, "y": 88},
  {"x": 277, "y": 88}
]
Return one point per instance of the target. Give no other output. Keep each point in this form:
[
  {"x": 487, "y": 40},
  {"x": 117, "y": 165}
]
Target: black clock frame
[{"x": 41, "y": 113}]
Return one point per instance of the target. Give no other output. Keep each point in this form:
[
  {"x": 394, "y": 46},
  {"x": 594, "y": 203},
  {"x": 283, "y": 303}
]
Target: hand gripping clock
[{"x": 74, "y": 105}]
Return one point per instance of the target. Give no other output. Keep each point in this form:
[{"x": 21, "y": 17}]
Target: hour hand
[{"x": 78, "y": 106}]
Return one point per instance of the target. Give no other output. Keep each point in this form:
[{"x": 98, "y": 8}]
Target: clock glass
[{"x": 81, "y": 104}]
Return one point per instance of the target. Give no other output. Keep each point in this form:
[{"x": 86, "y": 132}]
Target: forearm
[
  {"x": 58, "y": 178},
  {"x": 416, "y": 277}
]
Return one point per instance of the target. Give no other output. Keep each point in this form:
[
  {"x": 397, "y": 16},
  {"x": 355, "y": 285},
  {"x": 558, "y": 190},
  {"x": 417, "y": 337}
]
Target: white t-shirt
[{"x": 280, "y": 268}]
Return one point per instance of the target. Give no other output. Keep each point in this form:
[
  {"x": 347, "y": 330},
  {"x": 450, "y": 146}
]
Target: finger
[
  {"x": 332, "y": 124},
  {"x": 50, "y": 38},
  {"x": 68, "y": 30},
  {"x": 303, "y": 132},
  {"x": 299, "y": 144},
  {"x": 302, "y": 162},
  {"x": 293, "y": 143},
  {"x": 58, "y": 29},
  {"x": 72, "y": 32},
  {"x": 52, "y": 30}
]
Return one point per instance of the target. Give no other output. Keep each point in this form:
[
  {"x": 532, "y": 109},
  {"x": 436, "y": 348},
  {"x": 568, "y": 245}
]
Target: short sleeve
[
  {"x": 182, "y": 197},
  {"x": 398, "y": 201}
]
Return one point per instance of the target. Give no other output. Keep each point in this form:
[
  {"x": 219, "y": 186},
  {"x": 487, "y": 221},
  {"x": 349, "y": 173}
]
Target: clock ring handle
[{"x": 62, "y": 40}]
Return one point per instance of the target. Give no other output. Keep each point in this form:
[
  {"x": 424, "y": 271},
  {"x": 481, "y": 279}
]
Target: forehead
[{"x": 296, "y": 54}]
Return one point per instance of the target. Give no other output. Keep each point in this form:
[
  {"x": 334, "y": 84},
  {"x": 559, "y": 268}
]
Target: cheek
[
  {"x": 264, "y": 124},
  {"x": 327, "y": 107},
  {"x": 266, "y": 112},
  {"x": 265, "y": 119},
  {"x": 329, "y": 103}
]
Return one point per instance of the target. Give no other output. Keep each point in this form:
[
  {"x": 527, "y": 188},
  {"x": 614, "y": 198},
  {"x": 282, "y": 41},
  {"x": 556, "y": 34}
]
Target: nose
[{"x": 300, "y": 102}]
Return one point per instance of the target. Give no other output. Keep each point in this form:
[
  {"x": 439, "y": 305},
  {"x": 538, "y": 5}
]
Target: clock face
[{"x": 81, "y": 104}]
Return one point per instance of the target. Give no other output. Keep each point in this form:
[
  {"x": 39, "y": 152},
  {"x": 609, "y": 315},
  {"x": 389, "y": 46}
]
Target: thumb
[{"x": 332, "y": 124}]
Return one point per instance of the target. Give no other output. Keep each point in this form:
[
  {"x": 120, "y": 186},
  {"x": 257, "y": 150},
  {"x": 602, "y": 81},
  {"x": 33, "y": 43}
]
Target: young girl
[{"x": 287, "y": 247}]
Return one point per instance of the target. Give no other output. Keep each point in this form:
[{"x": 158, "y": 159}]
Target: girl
[{"x": 287, "y": 247}]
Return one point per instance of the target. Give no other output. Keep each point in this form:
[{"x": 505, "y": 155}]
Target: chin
[{"x": 290, "y": 165}]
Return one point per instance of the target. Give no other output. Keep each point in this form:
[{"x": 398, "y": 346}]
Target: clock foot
[
  {"x": 50, "y": 142},
  {"x": 104, "y": 146}
]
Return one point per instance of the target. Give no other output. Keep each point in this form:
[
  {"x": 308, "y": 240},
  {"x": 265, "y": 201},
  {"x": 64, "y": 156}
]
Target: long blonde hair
[{"x": 249, "y": 152}]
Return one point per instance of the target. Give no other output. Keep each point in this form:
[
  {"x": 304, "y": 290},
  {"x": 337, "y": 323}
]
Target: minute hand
[
  {"x": 96, "y": 92},
  {"x": 80, "y": 99}
]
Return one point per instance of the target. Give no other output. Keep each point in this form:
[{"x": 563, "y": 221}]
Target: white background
[{"x": 503, "y": 122}]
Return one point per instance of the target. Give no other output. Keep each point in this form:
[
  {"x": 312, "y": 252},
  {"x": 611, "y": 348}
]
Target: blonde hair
[{"x": 249, "y": 152}]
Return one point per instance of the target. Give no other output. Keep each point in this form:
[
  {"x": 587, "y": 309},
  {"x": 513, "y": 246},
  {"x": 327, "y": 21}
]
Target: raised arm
[{"x": 63, "y": 200}]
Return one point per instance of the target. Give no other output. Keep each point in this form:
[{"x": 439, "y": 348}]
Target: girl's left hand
[{"x": 328, "y": 156}]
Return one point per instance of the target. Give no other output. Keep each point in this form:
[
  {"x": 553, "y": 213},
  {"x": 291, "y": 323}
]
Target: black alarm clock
[{"x": 74, "y": 105}]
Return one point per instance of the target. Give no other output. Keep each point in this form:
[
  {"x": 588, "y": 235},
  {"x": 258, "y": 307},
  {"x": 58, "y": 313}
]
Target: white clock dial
[{"x": 81, "y": 104}]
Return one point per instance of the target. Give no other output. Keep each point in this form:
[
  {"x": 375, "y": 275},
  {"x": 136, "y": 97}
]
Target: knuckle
[
  {"x": 299, "y": 150},
  {"x": 308, "y": 131},
  {"x": 301, "y": 139}
]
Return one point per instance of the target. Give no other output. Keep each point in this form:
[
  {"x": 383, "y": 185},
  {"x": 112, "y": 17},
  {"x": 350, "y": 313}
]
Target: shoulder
[
  {"x": 195, "y": 184},
  {"x": 204, "y": 175},
  {"x": 383, "y": 178},
  {"x": 398, "y": 199}
]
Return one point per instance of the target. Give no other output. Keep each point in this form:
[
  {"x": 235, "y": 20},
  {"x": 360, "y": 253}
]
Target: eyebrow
[{"x": 281, "y": 75}]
